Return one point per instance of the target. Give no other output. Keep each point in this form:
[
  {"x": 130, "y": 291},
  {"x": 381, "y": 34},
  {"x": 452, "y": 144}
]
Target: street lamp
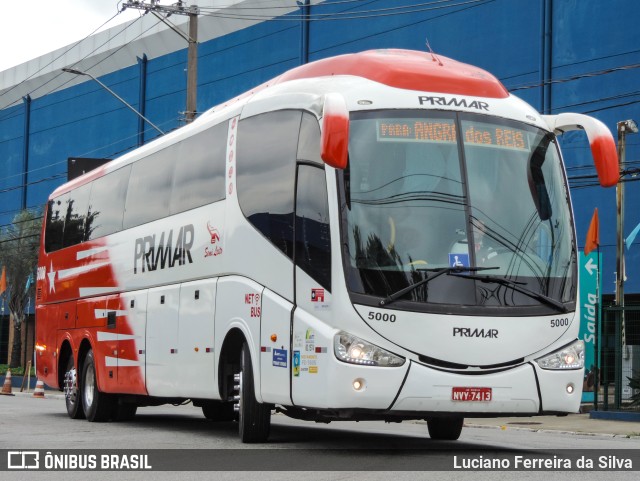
[{"x": 78, "y": 72}]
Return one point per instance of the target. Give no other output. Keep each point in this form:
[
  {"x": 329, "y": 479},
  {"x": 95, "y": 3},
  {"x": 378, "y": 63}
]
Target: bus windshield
[{"x": 427, "y": 191}]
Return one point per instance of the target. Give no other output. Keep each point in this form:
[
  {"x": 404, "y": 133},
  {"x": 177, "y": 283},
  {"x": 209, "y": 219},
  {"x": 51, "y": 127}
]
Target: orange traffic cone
[
  {"x": 6, "y": 387},
  {"x": 39, "y": 392}
]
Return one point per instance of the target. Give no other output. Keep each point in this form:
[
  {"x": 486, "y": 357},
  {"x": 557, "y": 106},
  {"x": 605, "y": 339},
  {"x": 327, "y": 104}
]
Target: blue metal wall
[{"x": 523, "y": 42}]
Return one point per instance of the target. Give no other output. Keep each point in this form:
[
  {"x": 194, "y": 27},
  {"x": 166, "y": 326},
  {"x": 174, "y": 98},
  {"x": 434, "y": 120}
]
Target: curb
[
  {"x": 633, "y": 417},
  {"x": 545, "y": 430},
  {"x": 47, "y": 394}
]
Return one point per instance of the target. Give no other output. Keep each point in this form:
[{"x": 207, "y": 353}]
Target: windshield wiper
[
  {"x": 438, "y": 272},
  {"x": 516, "y": 286}
]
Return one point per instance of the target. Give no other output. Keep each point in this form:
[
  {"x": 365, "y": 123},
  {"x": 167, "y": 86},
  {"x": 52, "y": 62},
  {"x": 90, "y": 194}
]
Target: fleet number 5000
[
  {"x": 379, "y": 316},
  {"x": 560, "y": 322}
]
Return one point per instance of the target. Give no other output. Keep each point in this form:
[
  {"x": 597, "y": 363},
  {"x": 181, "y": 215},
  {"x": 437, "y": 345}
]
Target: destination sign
[{"x": 444, "y": 131}]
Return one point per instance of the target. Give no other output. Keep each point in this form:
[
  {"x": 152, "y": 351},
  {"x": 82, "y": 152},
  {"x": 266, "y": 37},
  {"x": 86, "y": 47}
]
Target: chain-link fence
[{"x": 618, "y": 358}]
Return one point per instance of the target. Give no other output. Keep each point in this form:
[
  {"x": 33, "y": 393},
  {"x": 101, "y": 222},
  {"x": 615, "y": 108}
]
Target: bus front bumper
[{"x": 525, "y": 389}]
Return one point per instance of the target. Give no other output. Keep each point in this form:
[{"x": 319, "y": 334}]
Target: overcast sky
[
  {"x": 46, "y": 25},
  {"x": 42, "y": 26}
]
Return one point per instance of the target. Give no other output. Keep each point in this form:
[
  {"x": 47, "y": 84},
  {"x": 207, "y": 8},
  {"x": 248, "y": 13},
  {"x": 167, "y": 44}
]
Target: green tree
[{"x": 19, "y": 246}]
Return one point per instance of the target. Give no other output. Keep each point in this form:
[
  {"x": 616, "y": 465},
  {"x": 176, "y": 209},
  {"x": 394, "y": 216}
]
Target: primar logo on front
[
  {"x": 468, "y": 332},
  {"x": 165, "y": 254},
  {"x": 454, "y": 101}
]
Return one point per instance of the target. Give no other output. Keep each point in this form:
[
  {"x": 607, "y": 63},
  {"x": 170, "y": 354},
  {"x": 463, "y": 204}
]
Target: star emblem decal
[{"x": 52, "y": 279}]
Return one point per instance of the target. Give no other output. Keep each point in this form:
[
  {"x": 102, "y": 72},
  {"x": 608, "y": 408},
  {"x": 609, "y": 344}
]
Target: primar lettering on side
[
  {"x": 149, "y": 257},
  {"x": 454, "y": 101}
]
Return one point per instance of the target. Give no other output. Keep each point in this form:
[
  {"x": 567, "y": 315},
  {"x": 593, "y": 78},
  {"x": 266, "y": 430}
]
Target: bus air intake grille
[
  {"x": 458, "y": 367},
  {"x": 39, "y": 294}
]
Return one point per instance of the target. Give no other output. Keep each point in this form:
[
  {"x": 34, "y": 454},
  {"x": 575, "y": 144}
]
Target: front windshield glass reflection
[{"x": 420, "y": 197}]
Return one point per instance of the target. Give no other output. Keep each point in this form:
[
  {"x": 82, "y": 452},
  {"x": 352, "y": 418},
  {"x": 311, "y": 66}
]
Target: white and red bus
[{"x": 385, "y": 235}]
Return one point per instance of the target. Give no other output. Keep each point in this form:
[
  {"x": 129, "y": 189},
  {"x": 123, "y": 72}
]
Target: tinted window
[
  {"x": 106, "y": 205},
  {"x": 149, "y": 192},
  {"x": 77, "y": 203},
  {"x": 54, "y": 232},
  {"x": 267, "y": 148},
  {"x": 313, "y": 236},
  {"x": 199, "y": 174}
]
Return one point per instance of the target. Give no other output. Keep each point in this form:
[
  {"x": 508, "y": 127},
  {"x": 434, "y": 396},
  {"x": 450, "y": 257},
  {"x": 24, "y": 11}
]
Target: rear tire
[
  {"x": 446, "y": 428},
  {"x": 98, "y": 406},
  {"x": 218, "y": 411},
  {"x": 72, "y": 394},
  {"x": 254, "y": 418}
]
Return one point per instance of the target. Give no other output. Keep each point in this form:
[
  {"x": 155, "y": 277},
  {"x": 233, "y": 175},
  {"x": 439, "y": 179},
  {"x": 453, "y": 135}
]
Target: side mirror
[
  {"x": 603, "y": 147},
  {"x": 334, "y": 141}
]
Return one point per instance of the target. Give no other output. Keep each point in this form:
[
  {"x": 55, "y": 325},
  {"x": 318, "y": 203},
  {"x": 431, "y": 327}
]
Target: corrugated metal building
[{"x": 558, "y": 55}]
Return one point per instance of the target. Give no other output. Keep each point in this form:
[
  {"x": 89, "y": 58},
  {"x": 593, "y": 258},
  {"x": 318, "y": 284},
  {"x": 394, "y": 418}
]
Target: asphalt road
[{"x": 297, "y": 450}]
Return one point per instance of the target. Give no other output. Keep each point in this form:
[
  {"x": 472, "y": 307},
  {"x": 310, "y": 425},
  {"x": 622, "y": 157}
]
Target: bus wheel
[
  {"x": 254, "y": 418},
  {"x": 98, "y": 406},
  {"x": 218, "y": 411},
  {"x": 445, "y": 429},
  {"x": 71, "y": 392}
]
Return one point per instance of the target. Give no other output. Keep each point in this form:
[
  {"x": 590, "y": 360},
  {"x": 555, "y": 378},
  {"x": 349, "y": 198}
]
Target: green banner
[{"x": 590, "y": 288}]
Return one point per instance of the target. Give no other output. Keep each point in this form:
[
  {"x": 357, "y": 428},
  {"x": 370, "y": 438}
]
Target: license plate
[{"x": 468, "y": 394}]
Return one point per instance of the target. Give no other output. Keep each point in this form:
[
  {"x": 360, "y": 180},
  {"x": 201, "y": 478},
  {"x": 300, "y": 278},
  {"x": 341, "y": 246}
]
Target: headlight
[
  {"x": 569, "y": 357},
  {"x": 354, "y": 350}
]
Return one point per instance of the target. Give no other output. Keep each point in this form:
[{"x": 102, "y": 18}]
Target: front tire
[
  {"x": 254, "y": 418},
  {"x": 98, "y": 406},
  {"x": 446, "y": 428},
  {"x": 72, "y": 394}
]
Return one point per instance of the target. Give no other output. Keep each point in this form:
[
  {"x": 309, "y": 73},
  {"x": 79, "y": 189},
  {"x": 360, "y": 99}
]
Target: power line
[
  {"x": 62, "y": 54},
  {"x": 273, "y": 7},
  {"x": 596, "y": 73},
  {"x": 129, "y": 25},
  {"x": 351, "y": 15}
]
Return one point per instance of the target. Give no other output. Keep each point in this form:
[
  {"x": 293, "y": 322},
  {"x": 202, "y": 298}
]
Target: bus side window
[
  {"x": 54, "y": 231},
  {"x": 106, "y": 204},
  {"x": 313, "y": 236},
  {"x": 75, "y": 213},
  {"x": 200, "y": 166},
  {"x": 149, "y": 191},
  {"x": 267, "y": 149}
]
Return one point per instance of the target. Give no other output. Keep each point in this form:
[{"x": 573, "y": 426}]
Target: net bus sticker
[
  {"x": 317, "y": 295},
  {"x": 253, "y": 300}
]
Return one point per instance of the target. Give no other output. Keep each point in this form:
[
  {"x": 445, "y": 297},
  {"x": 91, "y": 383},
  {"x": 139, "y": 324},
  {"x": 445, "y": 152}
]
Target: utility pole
[
  {"x": 192, "y": 12},
  {"x": 625, "y": 127}
]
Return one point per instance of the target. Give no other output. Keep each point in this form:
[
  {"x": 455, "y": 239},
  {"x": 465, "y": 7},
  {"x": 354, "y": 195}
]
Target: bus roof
[{"x": 406, "y": 69}]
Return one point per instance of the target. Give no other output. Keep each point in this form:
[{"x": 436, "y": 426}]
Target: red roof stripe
[{"x": 406, "y": 69}]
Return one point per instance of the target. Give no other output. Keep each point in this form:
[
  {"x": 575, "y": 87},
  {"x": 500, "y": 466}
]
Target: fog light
[
  {"x": 570, "y": 388},
  {"x": 358, "y": 384}
]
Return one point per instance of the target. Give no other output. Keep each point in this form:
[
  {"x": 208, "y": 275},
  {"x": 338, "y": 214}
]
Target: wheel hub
[
  {"x": 71, "y": 385},
  {"x": 237, "y": 391}
]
